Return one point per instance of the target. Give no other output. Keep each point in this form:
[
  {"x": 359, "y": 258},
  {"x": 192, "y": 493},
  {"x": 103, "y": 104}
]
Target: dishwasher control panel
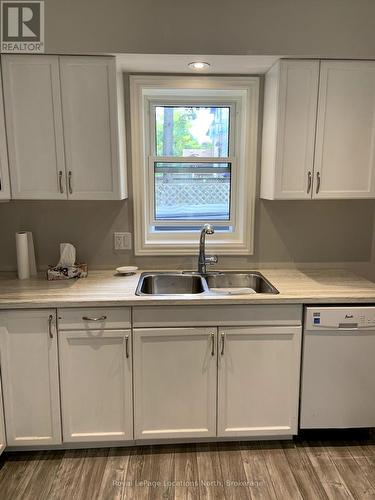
[{"x": 339, "y": 317}]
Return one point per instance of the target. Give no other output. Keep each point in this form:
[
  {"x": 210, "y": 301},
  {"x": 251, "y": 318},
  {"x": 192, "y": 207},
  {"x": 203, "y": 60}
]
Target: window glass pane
[
  {"x": 198, "y": 131},
  {"x": 192, "y": 191}
]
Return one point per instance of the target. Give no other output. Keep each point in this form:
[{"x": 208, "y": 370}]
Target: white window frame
[{"x": 242, "y": 95}]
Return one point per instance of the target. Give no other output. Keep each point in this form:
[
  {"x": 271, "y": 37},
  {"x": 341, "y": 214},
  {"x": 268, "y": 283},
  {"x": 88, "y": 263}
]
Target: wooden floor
[{"x": 331, "y": 467}]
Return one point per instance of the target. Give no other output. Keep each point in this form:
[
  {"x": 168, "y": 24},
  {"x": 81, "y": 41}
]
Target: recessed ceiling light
[{"x": 199, "y": 65}]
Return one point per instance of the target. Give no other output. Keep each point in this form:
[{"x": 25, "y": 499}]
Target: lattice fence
[{"x": 196, "y": 193}]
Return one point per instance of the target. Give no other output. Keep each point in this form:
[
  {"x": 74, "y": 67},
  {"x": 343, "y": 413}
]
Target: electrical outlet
[{"x": 123, "y": 241}]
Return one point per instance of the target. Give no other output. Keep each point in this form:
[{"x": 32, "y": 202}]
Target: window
[{"x": 194, "y": 157}]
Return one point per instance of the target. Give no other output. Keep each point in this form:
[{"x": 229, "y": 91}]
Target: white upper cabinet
[
  {"x": 319, "y": 130},
  {"x": 90, "y": 107},
  {"x": 344, "y": 156},
  {"x": 34, "y": 126},
  {"x": 291, "y": 93},
  {"x": 2, "y": 424},
  {"x": 4, "y": 166},
  {"x": 65, "y": 127},
  {"x": 29, "y": 372}
]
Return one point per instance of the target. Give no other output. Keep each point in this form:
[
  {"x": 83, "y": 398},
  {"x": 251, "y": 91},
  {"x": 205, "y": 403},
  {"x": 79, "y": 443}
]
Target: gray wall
[
  {"x": 286, "y": 232},
  {"x": 331, "y": 28}
]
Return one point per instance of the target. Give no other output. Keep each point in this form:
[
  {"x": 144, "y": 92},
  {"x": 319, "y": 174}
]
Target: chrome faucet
[{"x": 204, "y": 259}]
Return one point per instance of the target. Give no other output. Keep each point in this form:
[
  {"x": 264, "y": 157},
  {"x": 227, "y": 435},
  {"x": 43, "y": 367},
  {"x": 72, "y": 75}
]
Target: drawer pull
[
  {"x": 318, "y": 179},
  {"x": 50, "y": 319},
  {"x": 127, "y": 346},
  {"x": 309, "y": 182},
  {"x": 212, "y": 344},
  {"x": 222, "y": 343},
  {"x": 101, "y": 318},
  {"x": 70, "y": 174}
]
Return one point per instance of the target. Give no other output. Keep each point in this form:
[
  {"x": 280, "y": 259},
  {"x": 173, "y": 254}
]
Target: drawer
[{"x": 94, "y": 318}]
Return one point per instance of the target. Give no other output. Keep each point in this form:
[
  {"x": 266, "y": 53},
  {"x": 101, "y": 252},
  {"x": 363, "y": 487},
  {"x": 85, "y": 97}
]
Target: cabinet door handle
[
  {"x": 309, "y": 182},
  {"x": 60, "y": 182},
  {"x": 318, "y": 182},
  {"x": 127, "y": 346},
  {"x": 70, "y": 175},
  {"x": 87, "y": 318},
  {"x": 212, "y": 344},
  {"x": 50, "y": 333},
  {"x": 222, "y": 343}
]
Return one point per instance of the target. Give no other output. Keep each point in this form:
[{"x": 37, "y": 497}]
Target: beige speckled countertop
[{"x": 104, "y": 288}]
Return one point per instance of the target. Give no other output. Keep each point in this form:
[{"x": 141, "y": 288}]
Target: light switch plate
[{"x": 122, "y": 241}]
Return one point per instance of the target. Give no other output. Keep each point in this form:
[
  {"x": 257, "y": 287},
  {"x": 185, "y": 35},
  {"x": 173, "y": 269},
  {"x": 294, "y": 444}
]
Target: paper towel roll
[
  {"x": 30, "y": 244},
  {"x": 23, "y": 263}
]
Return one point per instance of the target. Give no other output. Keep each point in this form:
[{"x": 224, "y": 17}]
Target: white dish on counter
[{"x": 126, "y": 270}]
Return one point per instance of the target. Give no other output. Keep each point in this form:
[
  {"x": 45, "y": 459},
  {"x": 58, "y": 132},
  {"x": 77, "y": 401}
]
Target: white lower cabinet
[
  {"x": 175, "y": 379},
  {"x": 96, "y": 385},
  {"x": 258, "y": 382},
  {"x": 29, "y": 370},
  {"x": 2, "y": 424}
]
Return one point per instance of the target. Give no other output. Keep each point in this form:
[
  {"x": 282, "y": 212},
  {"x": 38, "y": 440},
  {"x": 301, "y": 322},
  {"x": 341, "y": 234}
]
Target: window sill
[{"x": 189, "y": 248}]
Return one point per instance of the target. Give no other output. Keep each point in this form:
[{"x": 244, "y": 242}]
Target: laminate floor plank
[
  {"x": 43, "y": 475},
  {"x": 282, "y": 478},
  {"x": 304, "y": 474},
  {"x": 92, "y": 472},
  {"x": 327, "y": 472},
  {"x": 138, "y": 475},
  {"x": 186, "y": 473},
  {"x": 209, "y": 472},
  {"x": 233, "y": 472},
  {"x": 162, "y": 472},
  {"x": 16, "y": 474},
  {"x": 261, "y": 487},
  {"x": 114, "y": 476},
  {"x": 65, "y": 483},
  {"x": 365, "y": 460},
  {"x": 350, "y": 472},
  {"x": 308, "y": 469}
]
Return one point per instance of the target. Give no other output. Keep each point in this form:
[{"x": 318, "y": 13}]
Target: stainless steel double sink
[{"x": 215, "y": 283}]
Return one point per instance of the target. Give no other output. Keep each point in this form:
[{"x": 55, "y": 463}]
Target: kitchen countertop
[{"x": 104, "y": 288}]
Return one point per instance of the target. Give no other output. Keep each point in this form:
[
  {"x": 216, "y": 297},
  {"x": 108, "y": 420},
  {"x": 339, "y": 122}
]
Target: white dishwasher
[{"x": 338, "y": 368}]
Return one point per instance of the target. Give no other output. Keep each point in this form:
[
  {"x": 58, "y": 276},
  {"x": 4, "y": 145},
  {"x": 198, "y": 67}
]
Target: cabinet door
[
  {"x": 89, "y": 100},
  {"x": 34, "y": 126},
  {"x": 344, "y": 159},
  {"x": 174, "y": 382},
  {"x": 291, "y": 96},
  {"x": 4, "y": 166},
  {"x": 29, "y": 369},
  {"x": 2, "y": 424},
  {"x": 96, "y": 385},
  {"x": 259, "y": 371}
]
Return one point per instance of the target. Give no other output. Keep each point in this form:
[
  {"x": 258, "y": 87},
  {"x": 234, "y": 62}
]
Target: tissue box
[{"x": 67, "y": 273}]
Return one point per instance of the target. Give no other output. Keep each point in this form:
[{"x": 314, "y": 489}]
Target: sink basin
[
  {"x": 216, "y": 283},
  {"x": 239, "y": 282},
  {"x": 170, "y": 284}
]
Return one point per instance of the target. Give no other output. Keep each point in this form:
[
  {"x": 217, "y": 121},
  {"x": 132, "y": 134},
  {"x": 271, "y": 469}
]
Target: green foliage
[{"x": 182, "y": 138}]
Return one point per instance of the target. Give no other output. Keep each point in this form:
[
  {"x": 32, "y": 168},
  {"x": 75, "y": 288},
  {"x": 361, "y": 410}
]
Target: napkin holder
[{"x": 67, "y": 272}]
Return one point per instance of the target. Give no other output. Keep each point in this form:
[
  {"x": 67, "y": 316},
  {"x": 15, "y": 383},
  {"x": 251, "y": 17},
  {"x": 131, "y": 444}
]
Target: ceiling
[{"x": 175, "y": 63}]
